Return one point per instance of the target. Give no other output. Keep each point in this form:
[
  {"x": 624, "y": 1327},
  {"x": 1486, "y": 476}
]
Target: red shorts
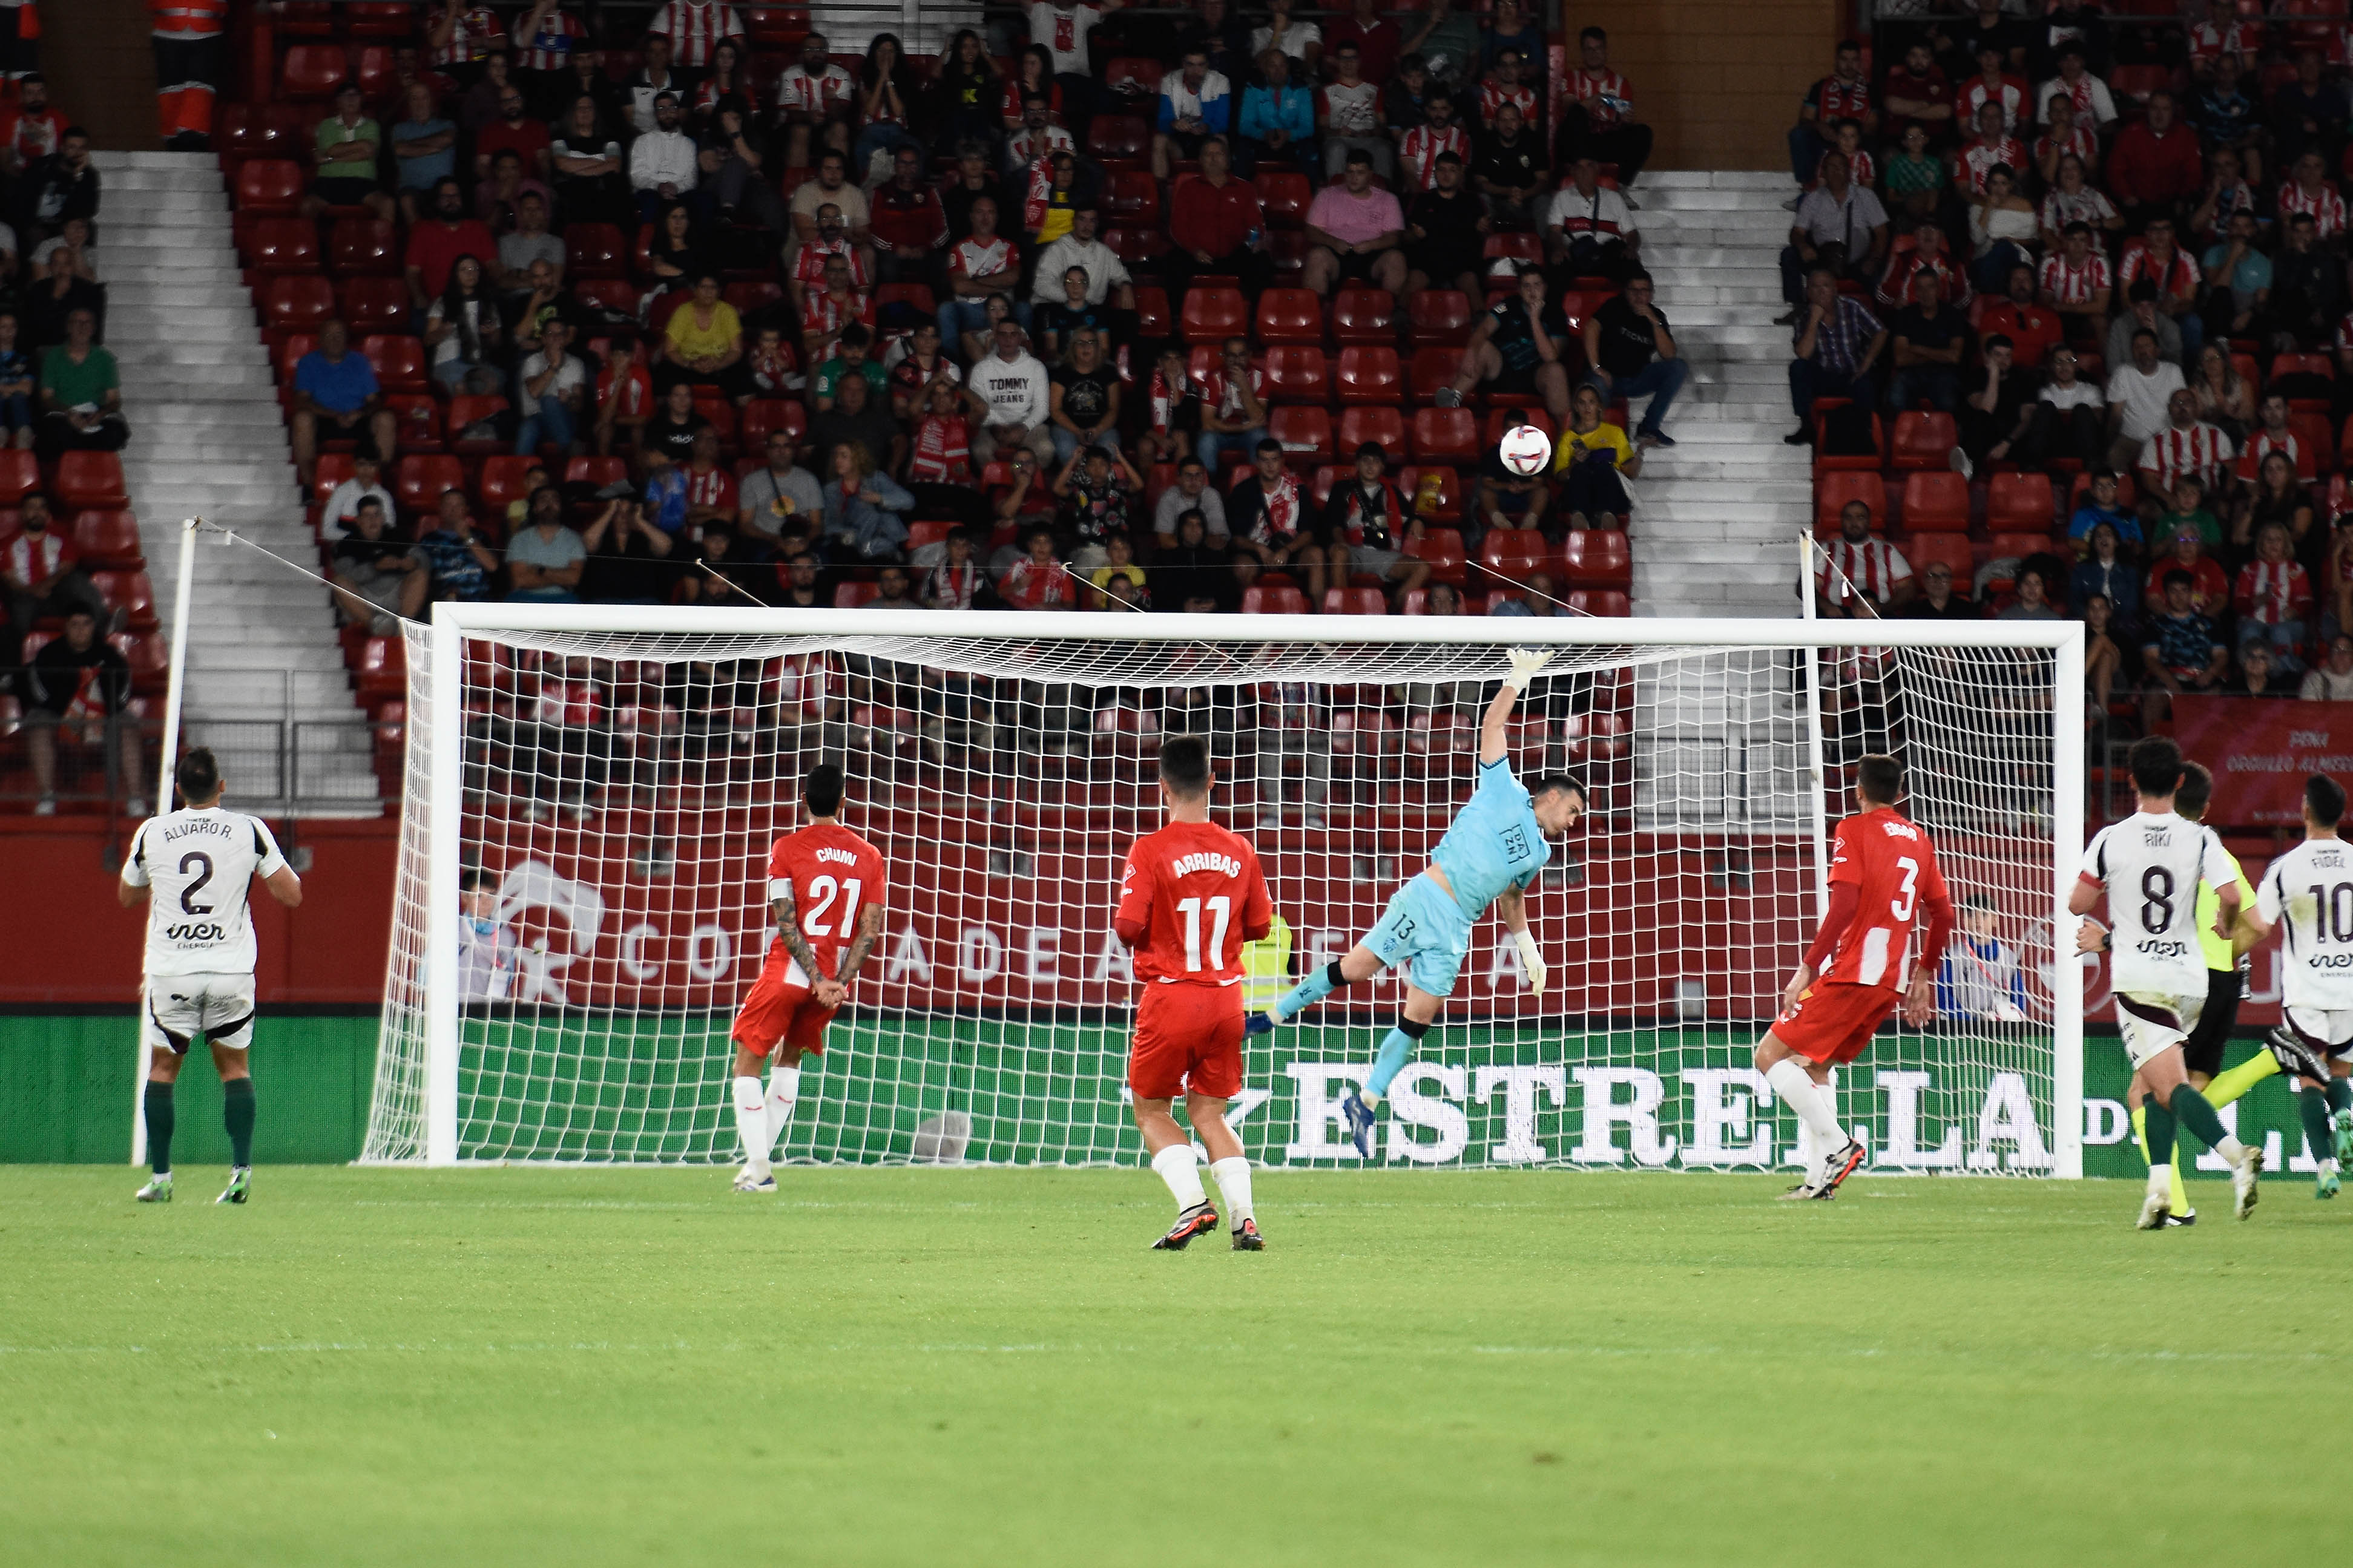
[
  {"x": 1833, "y": 1024},
  {"x": 780, "y": 1012},
  {"x": 1187, "y": 1038}
]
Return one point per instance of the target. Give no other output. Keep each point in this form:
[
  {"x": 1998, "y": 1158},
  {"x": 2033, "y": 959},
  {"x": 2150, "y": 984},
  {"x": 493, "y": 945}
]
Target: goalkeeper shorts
[
  {"x": 1424, "y": 931},
  {"x": 1833, "y": 1024},
  {"x": 781, "y": 1010},
  {"x": 1188, "y": 1040}
]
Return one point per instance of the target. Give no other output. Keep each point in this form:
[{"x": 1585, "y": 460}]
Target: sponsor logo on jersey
[
  {"x": 1204, "y": 860},
  {"x": 2152, "y": 949},
  {"x": 2330, "y": 961}
]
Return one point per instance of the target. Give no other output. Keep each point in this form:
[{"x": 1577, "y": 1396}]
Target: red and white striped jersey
[
  {"x": 2202, "y": 450},
  {"x": 825, "y": 315},
  {"x": 695, "y": 26},
  {"x": 802, "y": 93},
  {"x": 1872, "y": 568},
  {"x": 716, "y": 490},
  {"x": 2009, "y": 93},
  {"x": 943, "y": 451},
  {"x": 2089, "y": 206},
  {"x": 2264, "y": 443},
  {"x": 808, "y": 263},
  {"x": 2081, "y": 92},
  {"x": 470, "y": 39},
  {"x": 2080, "y": 142},
  {"x": 2178, "y": 276},
  {"x": 2072, "y": 286},
  {"x": 1979, "y": 159},
  {"x": 1418, "y": 149},
  {"x": 1033, "y": 148},
  {"x": 1494, "y": 95},
  {"x": 1835, "y": 100},
  {"x": 974, "y": 258},
  {"x": 1615, "y": 102},
  {"x": 550, "y": 48},
  {"x": 2272, "y": 592},
  {"x": 2327, "y": 208},
  {"x": 1896, "y": 284},
  {"x": 1225, "y": 396},
  {"x": 2208, "y": 41},
  {"x": 1862, "y": 167},
  {"x": 185, "y": 18}
]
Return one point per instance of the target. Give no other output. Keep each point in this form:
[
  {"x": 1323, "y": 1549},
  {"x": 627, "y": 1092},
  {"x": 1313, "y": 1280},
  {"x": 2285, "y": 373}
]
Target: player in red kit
[
  {"x": 1883, "y": 876},
  {"x": 825, "y": 889},
  {"x": 1191, "y": 896}
]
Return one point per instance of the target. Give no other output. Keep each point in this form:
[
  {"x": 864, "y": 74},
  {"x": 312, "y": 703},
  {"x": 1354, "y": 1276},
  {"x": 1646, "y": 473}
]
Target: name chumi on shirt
[{"x": 840, "y": 857}]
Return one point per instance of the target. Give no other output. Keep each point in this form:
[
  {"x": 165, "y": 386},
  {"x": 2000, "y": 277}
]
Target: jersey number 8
[{"x": 2156, "y": 899}]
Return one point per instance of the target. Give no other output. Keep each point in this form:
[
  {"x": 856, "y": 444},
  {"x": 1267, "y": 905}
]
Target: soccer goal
[{"x": 592, "y": 790}]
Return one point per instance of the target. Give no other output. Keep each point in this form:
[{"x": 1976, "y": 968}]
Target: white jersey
[
  {"x": 201, "y": 864},
  {"x": 2151, "y": 866},
  {"x": 2308, "y": 894}
]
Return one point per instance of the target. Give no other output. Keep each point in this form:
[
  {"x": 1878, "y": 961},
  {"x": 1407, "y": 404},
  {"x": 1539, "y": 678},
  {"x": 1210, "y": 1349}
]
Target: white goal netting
[{"x": 582, "y": 898}]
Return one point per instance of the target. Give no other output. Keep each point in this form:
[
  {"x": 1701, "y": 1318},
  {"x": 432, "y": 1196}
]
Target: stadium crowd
[
  {"x": 2069, "y": 304},
  {"x": 1168, "y": 309}
]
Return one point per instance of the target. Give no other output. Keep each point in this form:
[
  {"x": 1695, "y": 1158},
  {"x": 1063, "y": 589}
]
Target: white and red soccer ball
[{"x": 1525, "y": 449}]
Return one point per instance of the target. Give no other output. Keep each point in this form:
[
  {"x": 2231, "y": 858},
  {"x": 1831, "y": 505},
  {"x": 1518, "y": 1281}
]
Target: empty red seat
[
  {"x": 397, "y": 360},
  {"x": 1363, "y": 316},
  {"x": 1922, "y": 551},
  {"x": 1134, "y": 74},
  {"x": 395, "y": 20},
  {"x": 129, "y": 592},
  {"x": 1151, "y": 311},
  {"x": 314, "y": 70},
  {"x": 1367, "y": 423},
  {"x": 1356, "y": 602},
  {"x": 1835, "y": 492},
  {"x": 284, "y": 245},
  {"x": 297, "y": 300},
  {"x": 1596, "y": 601},
  {"x": 1131, "y": 199},
  {"x": 1139, "y": 247},
  {"x": 1119, "y": 139},
  {"x": 1439, "y": 315},
  {"x": 305, "y": 19},
  {"x": 1936, "y": 501},
  {"x": 1296, "y": 373},
  {"x": 1284, "y": 195},
  {"x": 417, "y": 420},
  {"x": 1923, "y": 440},
  {"x": 1304, "y": 432},
  {"x": 90, "y": 479},
  {"x": 373, "y": 305},
  {"x": 2019, "y": 501},
  {"x": 1514, "y": 553},
  {"x": 364, "y": 244},
  {"x": 2022, "y": 545},
  {"x": 1433, "y": 369},
  {"x": 762, "y": 415},
  {"x": 917, "y": 295},
  {"x": 778, "y": 27},
  {"x": 468, "y": 409},
  {"x": 421, "y": 478},
  {"x": 1369, "y": 375},
  {"x": 594, "y": 250},
  {"x": 372, "y": 69},
  {"x": 1441, "y": 548},
  {"x": 109, "y": 540},
  {"x": 1445, "y": 436},
  {"x": 1259, "y": 599},
  {"x": 149, "y": 655},
  {"x": 597, "y": 471},
  {"x": 1290, "y": 316},
  {"x": 1595, "y": 558},
  {"x": 718, "y": 413},
  {"x": 502, "y": 480},
  {"x": 271, "y": 186},
  {"x": 617, "y": 294},
  {"x": 1213, "y": 314},
  {"x": 2316, "y": 450}
]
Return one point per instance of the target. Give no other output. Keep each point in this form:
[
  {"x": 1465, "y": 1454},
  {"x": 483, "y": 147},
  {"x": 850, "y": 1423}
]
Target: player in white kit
[
  {"x": 2150, "y": 865},
  {"x": 194, "y": 865},
  {"x": 2307, "y": 895}
]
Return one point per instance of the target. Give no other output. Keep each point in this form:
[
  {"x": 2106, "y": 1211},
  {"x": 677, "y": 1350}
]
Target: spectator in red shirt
[
  {"x": 1845, "y": 94},
  {"x": 435, "y": 245},
  {"x": 911, "y": 226},
  {"x": 2031, "y": 328},
  {"x": 517, "y": 132},
  {"x": 1376, "y": 36},
  {"x": 1918, "y": 94},
  {"x": 625, "y": 396},
  {"x": 42, "y": 577},
  {"x": 2155, "y": 169},
  {"x": 29, "y": 128},
  {"x": 710, "y": 488},
  {"x": 1216, "y": 224}
]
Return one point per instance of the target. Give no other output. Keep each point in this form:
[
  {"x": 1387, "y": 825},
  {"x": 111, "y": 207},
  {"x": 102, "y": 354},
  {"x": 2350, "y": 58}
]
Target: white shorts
[
  {"x": 2152, "y": 1024},
  {"x": 182, "y": 1006},
  {"x": 2329, "y": 1033}
]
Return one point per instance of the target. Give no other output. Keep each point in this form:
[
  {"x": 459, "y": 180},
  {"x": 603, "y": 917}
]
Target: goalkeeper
[{"x": 1494, "y": 851}]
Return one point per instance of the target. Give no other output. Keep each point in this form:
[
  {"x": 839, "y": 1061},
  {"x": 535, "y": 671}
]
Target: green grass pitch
[{"x": 898, "y": 1366}]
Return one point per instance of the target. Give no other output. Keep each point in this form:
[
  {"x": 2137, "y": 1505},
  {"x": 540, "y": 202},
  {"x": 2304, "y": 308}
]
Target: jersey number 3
[
  {"x": 1877, "y": 939},
  {"x": 1220, "y": 911},
  {"x": 823, "y": 891}
]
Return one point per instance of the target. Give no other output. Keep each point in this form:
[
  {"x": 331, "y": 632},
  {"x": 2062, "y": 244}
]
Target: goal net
[{"x": 593, "y": 791}]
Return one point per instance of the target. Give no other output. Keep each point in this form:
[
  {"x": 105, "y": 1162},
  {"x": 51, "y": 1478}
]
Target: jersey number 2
[
  {"x": 189, "y": 904},
  {"x": 824, "y": 890},
  {"x": 1220, "y": 911}
]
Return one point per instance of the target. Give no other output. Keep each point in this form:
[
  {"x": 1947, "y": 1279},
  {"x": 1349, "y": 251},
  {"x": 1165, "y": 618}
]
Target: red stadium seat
[
  {"x": 373, "y": 305},
  {"x": 597, "y": 471},
  {"x": 372, "y": 69},
  {"x": 762, "y": 415},
  {"x": 1595, "y": 558},
  {"x": 271, "y": 186},
  {"x": 1439, "y": 315},
  {"x": 1924, "y": 440},
  {"x": 1141, "y": 248},
  {"x": 2312, "y": 436},
  {"x": 1446, "y": 487},
  {"x": 1356, "y": 602},
  {"x": 1130, "y": 199},
  {"x": 467, "y": 409},
  {"x": 1151, "y": 311},
  {"x": 314, "y": 70},
  {"x": 109, "y": 541},
  {"x": 20, "y": 476},
  {"x": 594, "y": 250},
  {"x": 129, "y": 592},
  {"x": 1304, "y": 432},
  {"x": 287, "y": 348},
  {"x": 617, "y": 294},
  {"x": 298, "y": 300},
  {"x": 1936, "y": 501},
  {"x": 715, "y": 408},
  {"x": 2301, "y": 364},
  {"x": 1836, "y": 492},
  {"x": 305, "y": 19},
  {"x": 1364, "y": 316},
  {"x": 420, "y": 478},
  {"x": 749, "y": 295},
  {"x": 1363, "y": 423},
  {"x": 88, "y": 480},
  {"x": 2021, "y": 545},
  {"x": 364, "y": 244},
  {"x": 1327, "y": 476},
  {"x": 1875, "y": 459},
  {"x": 1259, "y": 599},
  {"x": 1514, "y": 246},
  {"x": 1504, "y": 418},
  {"x": 1922, "y": 551},
  {"x": 1138, "y": 74},
  {"x": 394, "y": 20},
  {"x": 285, "y": 245},
  {"x": 1441, "y": 548},
  {"x": 149, "y": 655},
  {"x": 1433, "y": 370},
  {"x": 1119, "y": 140},
  {"x": 917, "y": 295},
  {"x": 1297, "y": 375},
  {"x": 1514, "y": 553},
  {"x": 1445, "y": 436},
  {"x": 1284, "y": 195},
  {"x": 397, "y": 360},
  {"x": 778, "y": 27},
  {"x": 1598, "y": 602},
  {"x": 1213, "y": 314},
  {"x": 417, "y": 420},
  {"x": 2019, "y": 502},
  {"x": 2081, "y": 486},
  {"x": 1368, "y": 374},
  {"x": 1290, "y": 316},
  {"x": 502, "y": 481}
]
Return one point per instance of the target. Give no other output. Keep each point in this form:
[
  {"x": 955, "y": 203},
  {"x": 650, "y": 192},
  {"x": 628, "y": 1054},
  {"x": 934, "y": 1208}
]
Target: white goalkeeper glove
[
  {"x": 1531, "y": 959},
  {"x": 1525, "y": 663}
]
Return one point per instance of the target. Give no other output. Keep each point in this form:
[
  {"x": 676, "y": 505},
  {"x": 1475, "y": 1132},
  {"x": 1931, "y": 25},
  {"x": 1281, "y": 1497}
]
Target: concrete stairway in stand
[
  {"x": 1718, "y": 517},
  {"x": 266, "y": 684}
]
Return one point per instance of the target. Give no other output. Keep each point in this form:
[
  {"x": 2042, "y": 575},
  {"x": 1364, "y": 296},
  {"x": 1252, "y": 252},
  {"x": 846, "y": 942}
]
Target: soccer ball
[{"x": 1525, "y": 449}]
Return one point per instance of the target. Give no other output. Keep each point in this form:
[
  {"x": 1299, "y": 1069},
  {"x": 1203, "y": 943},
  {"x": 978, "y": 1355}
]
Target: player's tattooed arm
[
  {"x": 789, "y": 930},
  {"x": 853, "y": 959}
]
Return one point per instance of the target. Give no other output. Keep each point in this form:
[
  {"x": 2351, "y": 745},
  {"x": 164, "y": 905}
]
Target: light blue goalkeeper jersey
[{"x": 1494, "y": 842}]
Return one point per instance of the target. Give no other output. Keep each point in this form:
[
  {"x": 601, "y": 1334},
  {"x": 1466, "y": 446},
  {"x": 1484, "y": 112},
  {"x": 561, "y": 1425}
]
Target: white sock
[
  {"x": 1183, "y": 1173},
  {"x": 2231, "y": 1151},
  {"x": 1809, "y": 1152},
  {"x": 1233, "y": 1178},
  {"x": 752, "y": 1123},
  {"x": 2160, "y": 1180},
  {"x": 1801, "y": 1094},
  {"x": 784, "y": 1093}
]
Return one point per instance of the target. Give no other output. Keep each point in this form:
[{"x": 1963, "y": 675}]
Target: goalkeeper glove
[
  {"x": 1525, "y": 663},
  {"x": 1531, "y": 959}
]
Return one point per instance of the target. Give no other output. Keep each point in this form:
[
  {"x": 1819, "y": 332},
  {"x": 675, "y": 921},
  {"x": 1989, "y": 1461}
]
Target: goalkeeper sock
[
  {"x": 1318, "y": 984},
  {"x": 784, "y": 1093},
  {"x": 158, "y": 1103},
  {"x": 1233, "y": 1178},
  {"x": 2176, "y": 1195},
  {"x": 236, "y": 1115},
  {"x": 2319, "y": 1129},
  {"x": 1178, "y": 1169},
  {"x": 1801, "y": 1094},
  {"x": 752, "y": 1123},
  {"x": 2190, "y": 1109},
  {"x": 2229, "y": 1085},
  {"x": 1396, "y": 1047}
]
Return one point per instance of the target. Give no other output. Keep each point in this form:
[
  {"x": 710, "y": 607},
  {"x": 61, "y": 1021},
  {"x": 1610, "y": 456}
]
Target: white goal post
[{"x": 592, "y": 789}]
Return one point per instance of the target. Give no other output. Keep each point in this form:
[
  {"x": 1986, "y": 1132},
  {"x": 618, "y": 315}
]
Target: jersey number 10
[
  {"x": 1220, "y": 911},
  {"x": 2332, "y": 912}
]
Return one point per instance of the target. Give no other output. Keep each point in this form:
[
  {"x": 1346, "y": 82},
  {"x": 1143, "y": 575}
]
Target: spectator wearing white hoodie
[{"x": 1010, "y": 394}]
